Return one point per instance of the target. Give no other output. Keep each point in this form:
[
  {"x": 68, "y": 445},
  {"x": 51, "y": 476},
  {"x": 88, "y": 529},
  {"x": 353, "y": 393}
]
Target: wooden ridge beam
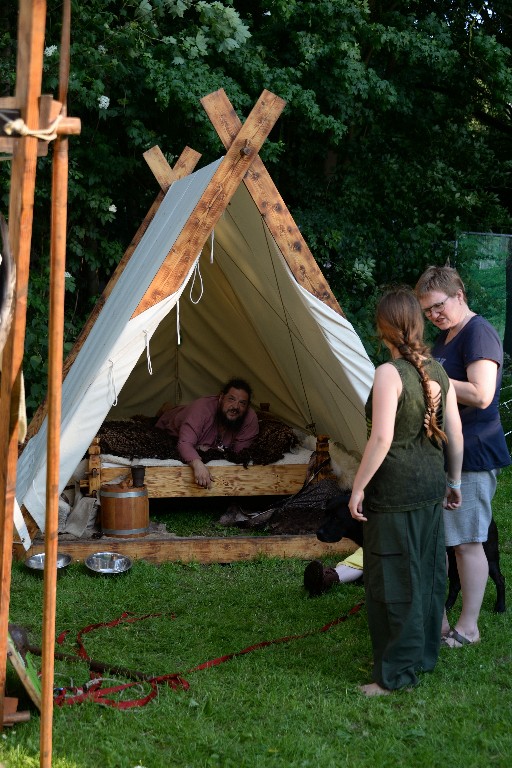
[
  {"x": 223, "y": 184},
  {"x": 271, "y": 205}
]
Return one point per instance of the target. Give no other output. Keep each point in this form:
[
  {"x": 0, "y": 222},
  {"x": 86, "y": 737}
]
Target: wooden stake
[
  {"x": 55, "y": 358},
  {"x": 29, "y": 67}
]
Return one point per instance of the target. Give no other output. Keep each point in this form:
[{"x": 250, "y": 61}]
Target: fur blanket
[{"x": 139, "y": 438}]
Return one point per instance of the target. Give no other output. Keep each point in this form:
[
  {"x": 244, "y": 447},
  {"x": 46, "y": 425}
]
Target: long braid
[
  {"x": 400, "y": 321},
  {"x": 413, "y": 352}
]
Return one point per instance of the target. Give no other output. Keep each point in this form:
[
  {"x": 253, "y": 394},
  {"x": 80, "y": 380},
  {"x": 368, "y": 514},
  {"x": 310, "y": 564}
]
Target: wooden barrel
[{"x": 124, "y": 511}]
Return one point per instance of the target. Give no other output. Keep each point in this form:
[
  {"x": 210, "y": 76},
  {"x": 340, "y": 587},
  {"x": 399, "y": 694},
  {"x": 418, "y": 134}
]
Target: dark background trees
[{"x": 396, "y": 138}]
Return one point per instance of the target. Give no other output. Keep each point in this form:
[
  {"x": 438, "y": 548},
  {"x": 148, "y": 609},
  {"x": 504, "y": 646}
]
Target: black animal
[{"x": 339, "y": 523}]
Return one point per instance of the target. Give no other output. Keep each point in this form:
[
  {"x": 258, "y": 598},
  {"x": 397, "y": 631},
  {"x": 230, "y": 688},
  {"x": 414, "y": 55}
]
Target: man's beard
[{"x": 233, "y": 424}]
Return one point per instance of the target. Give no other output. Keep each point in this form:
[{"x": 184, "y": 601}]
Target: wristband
[{"x": 453, "y": 485}]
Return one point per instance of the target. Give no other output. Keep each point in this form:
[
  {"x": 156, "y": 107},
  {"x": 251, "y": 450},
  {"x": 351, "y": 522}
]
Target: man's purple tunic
[{"x": 196, "y": 424}]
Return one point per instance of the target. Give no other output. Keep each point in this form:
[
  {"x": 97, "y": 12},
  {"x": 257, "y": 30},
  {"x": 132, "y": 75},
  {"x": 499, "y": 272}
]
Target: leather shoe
[{"x": 318, "y": 579}]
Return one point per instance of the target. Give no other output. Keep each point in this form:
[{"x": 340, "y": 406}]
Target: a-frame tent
[{"x": 220, "y": 284}]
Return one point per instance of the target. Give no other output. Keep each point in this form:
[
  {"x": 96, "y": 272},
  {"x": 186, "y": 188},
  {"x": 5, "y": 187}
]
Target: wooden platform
[{"x": 199, "y": 549}]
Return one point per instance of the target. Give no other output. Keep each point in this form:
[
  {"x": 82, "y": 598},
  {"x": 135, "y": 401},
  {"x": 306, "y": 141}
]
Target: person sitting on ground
[
  {"x": 217, "y": 421},
  {"x": 319, "y": 579}
]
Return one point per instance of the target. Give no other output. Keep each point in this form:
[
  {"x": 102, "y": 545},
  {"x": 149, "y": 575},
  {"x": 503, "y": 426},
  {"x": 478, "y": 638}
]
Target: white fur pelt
[{"x": 343, "y": 464}]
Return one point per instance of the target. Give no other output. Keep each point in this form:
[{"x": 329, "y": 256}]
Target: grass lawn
[{"x": 292, "y": 704}]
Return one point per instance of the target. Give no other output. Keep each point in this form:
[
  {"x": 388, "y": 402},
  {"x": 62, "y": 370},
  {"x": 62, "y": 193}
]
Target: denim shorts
[{"x": 470, "y": 523}]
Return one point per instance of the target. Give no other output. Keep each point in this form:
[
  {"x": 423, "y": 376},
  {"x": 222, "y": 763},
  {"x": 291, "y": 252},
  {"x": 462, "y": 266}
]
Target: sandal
[{"x": 457, "y": 639}]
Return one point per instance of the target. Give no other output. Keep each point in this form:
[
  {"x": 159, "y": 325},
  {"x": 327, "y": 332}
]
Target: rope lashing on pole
[{"x": 19, "y": 127}]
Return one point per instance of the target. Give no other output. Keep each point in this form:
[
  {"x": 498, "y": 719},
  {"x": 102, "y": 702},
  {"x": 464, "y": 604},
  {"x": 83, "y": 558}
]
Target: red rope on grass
[
  {"x": 266, "y": 643},
  {"x": 94, "y": 691},
  {"x": 125, "y": 618}
]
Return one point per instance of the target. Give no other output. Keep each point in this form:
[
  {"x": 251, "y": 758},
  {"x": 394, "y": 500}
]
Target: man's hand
[{"x": 201, "y": 474}]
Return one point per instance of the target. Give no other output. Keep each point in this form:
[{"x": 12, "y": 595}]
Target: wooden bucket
[{"x": 124, "y": 511}]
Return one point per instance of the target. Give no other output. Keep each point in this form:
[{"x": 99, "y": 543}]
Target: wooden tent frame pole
[
  {"x": 271, "y": 205},
  {"x": 29, "y": 67},
  {"x": 214, "y": 200},
  {"x": 55, "y": 362}
]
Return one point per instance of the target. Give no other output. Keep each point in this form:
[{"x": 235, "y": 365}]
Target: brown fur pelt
[
  {"x": 139, "y": 438},
  {"x": 275, "y": 438}
]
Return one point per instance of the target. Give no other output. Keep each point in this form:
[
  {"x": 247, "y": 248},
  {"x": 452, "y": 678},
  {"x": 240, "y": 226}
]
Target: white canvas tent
[{"x": 238, "y": 311}]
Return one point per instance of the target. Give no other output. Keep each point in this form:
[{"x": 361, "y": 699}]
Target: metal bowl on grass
[
  {"x": 108, "y": 563},
  {"x": 36, "y": 562}
]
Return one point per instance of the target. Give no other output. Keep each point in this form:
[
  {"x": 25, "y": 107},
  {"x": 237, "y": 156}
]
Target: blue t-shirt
[{"x": 484, "y": 442}]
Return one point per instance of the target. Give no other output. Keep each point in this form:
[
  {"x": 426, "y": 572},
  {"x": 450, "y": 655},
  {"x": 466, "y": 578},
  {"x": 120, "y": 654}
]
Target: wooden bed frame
[{"x": 230, "y": 480}]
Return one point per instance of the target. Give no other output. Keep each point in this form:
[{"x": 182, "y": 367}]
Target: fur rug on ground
[{"x": 304, "y": 512}]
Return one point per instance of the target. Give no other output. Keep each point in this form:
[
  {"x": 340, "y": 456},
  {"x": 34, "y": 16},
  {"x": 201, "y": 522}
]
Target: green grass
[{"x": 293, "y": 704}]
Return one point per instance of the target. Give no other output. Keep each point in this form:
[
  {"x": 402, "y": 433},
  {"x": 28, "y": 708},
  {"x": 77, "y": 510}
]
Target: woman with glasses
[
  {"x": 412, "y": 414},
  {"x": 469, "y": 349}
]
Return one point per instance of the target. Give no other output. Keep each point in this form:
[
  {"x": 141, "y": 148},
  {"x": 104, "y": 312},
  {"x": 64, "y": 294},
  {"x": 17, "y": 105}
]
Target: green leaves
[{"x": 395, "y": 138}]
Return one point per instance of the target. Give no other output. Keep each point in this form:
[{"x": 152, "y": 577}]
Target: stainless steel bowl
[
  {"x": 108, "y": 562},
  {"x": 36, "y": 562}
]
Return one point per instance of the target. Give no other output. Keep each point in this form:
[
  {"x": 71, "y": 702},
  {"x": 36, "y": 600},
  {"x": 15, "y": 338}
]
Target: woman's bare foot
[{"x": 373, "y": 689}]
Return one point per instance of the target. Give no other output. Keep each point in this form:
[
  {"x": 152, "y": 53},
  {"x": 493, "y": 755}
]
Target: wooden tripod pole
[
  {"x": 29, "y": 67},
  {"x": 55, "y": 362}
]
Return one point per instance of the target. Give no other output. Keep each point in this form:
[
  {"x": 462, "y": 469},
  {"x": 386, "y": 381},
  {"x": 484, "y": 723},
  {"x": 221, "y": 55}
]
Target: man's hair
[{"x": 237, "y": 384}]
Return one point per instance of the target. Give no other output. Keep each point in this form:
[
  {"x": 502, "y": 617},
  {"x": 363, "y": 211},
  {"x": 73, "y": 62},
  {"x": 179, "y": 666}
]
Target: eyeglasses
[{"x": 437, "y": 308}]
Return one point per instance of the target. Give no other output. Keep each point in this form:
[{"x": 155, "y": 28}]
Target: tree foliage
[
  {"x": 397, "y": 135},
  {"x": 398, "y": 128}
]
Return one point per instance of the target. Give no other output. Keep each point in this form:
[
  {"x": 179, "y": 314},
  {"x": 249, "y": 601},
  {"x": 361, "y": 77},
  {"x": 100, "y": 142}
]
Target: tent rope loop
[
  {"x": 211, "y": 245},
  {"x": 148, "y": 354},
  {"x": 112, "y": 379},
  {"x": 197, "y": 273}
]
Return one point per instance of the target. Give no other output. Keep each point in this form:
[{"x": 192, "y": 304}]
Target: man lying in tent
[{"x": 217, "y": 421}]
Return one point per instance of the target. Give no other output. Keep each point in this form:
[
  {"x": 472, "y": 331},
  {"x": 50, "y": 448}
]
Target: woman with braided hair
[{"x": 413, "y": 422}]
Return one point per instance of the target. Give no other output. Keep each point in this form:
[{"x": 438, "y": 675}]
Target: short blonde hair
[{"x": 444, "y": 279}]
